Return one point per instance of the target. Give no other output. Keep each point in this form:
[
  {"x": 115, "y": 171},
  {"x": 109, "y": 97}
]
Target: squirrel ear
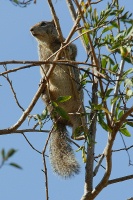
[{"x": 53, "y": 22}]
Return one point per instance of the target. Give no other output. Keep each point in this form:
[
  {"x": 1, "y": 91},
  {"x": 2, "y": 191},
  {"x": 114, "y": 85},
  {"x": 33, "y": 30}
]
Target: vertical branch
[
  {"x": 56, "y": 20},
  {"x": 117, "y": 86},
  {"x": 45, "y": 166},
  {"x": 74, "y": 17},
  {"x": 90, "y": 148},
  {"x": 88, "y": 187},
  {"x": 46, "y": 178},
  {"x": 104, "y": 181}
]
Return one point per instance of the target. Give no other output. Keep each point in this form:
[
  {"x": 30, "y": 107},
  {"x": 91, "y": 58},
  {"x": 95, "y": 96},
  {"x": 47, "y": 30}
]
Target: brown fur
[{"x": 64, "y": 81}]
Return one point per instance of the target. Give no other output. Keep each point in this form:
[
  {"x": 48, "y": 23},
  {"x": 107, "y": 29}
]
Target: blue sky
[{"x": 16, "y": 43}]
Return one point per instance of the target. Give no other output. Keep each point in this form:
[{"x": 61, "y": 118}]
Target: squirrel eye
[{"x": 43, "y": 24}]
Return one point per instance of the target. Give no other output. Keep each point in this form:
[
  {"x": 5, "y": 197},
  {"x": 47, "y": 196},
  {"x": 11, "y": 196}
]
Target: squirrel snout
[{"x": 33, "y": 31}]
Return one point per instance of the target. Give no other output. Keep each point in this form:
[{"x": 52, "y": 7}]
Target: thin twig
[
  {"x": 31, "y": 144},
  {"x": 75, "y": 17},
  {"x": 56, "y": 21},
  {"x": 126, "y": 148},
  {"x": 26, "y": 112},
  {"x": 13, "y": 91},
  {"x": 124, "y": 178},
  {"x": 98, "y": 165},
  {"x": 45, "y": 166},
  {"x": 122, "y": 149}
]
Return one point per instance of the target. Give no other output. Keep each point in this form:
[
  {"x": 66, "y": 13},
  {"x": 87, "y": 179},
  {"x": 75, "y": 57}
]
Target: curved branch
[
  {"x": 104, "y": 182},
  {"x": 26, "y": 112},
  {"x": 123, "y": 119}
]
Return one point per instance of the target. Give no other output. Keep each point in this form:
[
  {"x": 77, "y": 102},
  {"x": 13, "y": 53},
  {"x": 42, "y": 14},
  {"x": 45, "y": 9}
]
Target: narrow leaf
[
  {"x": 10, "y": 153},
  {"x": 115, "y": 68},
  {"x": 107, "y": 29},
  {"x": 15, "y": 165},
  {"x": 120, "y": 114},
  {"x": 105, "y": 110},
  {"x": 44, "y": 114},
  {"x": 85, "y": 37},
  {"x": 62, "y": 112},
  {"x": 114, "y": 24},
  {"x": 3, "y": 154},
  {"x": 84, "y": 155},
  {"x": 102, "y": 123},
  {"x": 125, "y": 132},
  {"x": 130, "y": 124},
  {"x": 62, "y": 99}
]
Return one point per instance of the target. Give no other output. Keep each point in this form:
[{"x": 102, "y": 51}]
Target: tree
[{"x": 107, "y": 39}]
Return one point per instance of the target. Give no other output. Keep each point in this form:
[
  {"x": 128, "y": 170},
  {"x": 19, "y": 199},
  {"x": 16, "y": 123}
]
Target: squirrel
[{"x": 63, "y": 81}]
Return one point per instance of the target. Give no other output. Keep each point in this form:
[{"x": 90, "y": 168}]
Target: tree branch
[
  {"x": 45, "y": 166},
  {"x": 124, "y": 178},
  {"x": 13, "y": 91},
  {"x": 31, "y": 144},
  {"x": 26, "y": 112},
  {"x": 117, "y": 86},
  {"x": 27, "y": 131},
  {"x": 88, "y": 187},
  {"x": 123, "y": 119},
  {"x": 98, "y": 165}
]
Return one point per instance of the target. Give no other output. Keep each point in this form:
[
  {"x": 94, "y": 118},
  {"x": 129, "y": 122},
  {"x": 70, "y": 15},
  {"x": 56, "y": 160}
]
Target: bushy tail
[{"x": 62, "y": 156}]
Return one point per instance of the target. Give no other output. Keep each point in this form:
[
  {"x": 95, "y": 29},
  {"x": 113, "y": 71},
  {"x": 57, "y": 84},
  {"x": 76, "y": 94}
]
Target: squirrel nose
[{"x": 31, "y": 29}]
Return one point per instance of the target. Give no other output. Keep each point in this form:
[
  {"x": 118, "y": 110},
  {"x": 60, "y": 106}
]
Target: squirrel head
[{"x": 44, "y": 32}]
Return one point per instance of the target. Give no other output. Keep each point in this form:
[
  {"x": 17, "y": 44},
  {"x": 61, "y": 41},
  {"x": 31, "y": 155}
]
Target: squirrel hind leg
[{"x": 62, "y": 156}]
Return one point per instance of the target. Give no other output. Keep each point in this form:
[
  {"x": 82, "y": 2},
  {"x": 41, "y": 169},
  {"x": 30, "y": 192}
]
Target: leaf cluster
[
  {"x": 111, "y": 34},
  {"x": 5, "y": 156}
]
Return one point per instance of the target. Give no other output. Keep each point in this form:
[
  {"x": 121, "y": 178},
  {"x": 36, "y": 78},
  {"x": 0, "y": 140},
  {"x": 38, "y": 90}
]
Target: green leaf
[
  {"x": 62, "y": 99},
  {"x": 62, "y": 112},
  {"x": 79, "y": 149},
  {"x": 84, "y": 158},
  {"x": 129, "y": 32},
  {"x": 3, "y": 154},
  {"x": 114, "y": 24},
  {"x": 37, "y": 117},
  {"x": 105, "y": 126},
  {"x": 120, "y": 114},
  {"x": 115, "y": 68},
  {"x": 129, "y": 71},
  {"x": 54, "y": 104},
  {"x": 107, "y": 29},
  {"x": 109, "y": 60},
  {"x": 10, "y": 153},
  {"x": 125, "y": 132},
  {"x": 117, "y": 109},
  {"x": 44, "y": 114},
  {"x": 104, "y": 62},
  {"x": 102, "y": 123},
  {"x": 97, "y": 106},
  {"x": 130, "y": 124},
  {"x": 16, "y": 1},
  {"x": 108, "y": 93},
  {"x": 85, "y": 37},
  {"x": 15, "y": 165},
  {"x": 114, "y": 99}
]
